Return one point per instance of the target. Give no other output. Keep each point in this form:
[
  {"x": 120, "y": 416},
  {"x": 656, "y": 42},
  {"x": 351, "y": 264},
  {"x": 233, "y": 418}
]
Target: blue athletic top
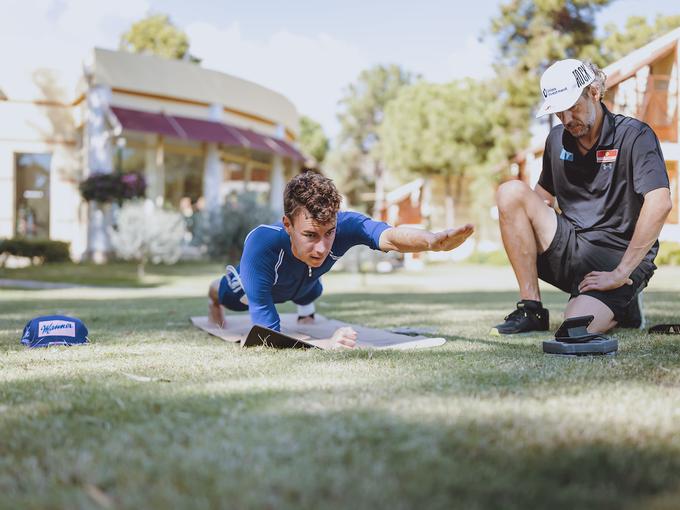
[{"x": 271, "y": 274}]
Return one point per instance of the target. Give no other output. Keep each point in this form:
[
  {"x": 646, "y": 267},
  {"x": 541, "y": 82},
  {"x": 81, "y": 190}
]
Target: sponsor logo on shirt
[
  {"x": 566, "y": 155},
  {"x": 607, "y": 156},
  {"x": 56, "y": 328}
]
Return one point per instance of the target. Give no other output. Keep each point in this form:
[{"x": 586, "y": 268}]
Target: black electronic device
[
  {"x": 259, "y": 335},
  {"x": 572, "y": 338}
]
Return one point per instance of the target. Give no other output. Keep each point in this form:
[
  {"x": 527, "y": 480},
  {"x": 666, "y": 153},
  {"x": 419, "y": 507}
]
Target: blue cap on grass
[{"x": 54, "y": 330}]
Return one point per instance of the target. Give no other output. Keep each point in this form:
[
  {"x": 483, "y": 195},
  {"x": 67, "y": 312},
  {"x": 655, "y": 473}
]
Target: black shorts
[{"x": 570, "y": 257}]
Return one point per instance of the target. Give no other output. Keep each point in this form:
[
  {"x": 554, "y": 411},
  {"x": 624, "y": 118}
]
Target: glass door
[{"x": 32, "y": 204}]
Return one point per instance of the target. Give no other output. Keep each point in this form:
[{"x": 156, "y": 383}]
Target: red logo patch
[{"x": 608, "y": 156}]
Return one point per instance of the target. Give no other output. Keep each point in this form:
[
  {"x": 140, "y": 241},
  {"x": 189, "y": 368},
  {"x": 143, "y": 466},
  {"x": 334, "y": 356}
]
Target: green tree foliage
[
  {"x": 346, "y": 166},
  {"x": 313, "y": 140},
  {"x": 532, "y": 34},
  {"x": 637, "y": 32},
  {"x": 157, "y": 35},
  {"x": 363, "y": 105},
  {"x": 362, "y": 111},
  {"x": 444, "y": 129}
]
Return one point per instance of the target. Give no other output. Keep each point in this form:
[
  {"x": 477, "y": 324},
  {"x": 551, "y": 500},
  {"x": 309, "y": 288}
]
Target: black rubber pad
[{"x": 602, "y": 345}]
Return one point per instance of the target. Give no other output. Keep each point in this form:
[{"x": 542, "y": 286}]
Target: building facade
[{"x": 196, "y": 135}]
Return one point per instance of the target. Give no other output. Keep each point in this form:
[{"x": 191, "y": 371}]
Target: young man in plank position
[
  {"x": 608, "y": 177},
  {"x": 284, "y": 261}
]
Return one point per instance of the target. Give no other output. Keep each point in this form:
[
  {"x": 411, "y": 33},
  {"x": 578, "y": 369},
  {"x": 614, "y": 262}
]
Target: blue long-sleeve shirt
[{"x": 271, "y": 274}]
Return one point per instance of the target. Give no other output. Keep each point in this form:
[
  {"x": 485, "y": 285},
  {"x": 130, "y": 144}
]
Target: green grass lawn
[
  {"x": 156, "y": 414},
  {"x": 116, "y": 274}
]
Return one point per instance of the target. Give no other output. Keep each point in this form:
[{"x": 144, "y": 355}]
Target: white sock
[{"x": 305, "y": 310}]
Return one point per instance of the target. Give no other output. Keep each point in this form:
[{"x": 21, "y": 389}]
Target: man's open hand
[
  {"x": 450, "y": 238},
  {"x": 603, "y": 280},
  {"x": 345, "y": 337}
]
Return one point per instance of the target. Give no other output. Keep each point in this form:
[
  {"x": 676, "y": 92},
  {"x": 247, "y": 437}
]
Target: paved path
[{"x": 35, "y": 284}]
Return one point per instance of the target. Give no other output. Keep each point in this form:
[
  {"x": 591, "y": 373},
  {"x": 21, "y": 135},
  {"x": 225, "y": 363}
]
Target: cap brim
[{"x": 559, "y": 104}]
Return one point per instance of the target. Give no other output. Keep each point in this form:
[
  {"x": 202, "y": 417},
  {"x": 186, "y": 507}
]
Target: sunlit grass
[{"x": 155, "y": 414}]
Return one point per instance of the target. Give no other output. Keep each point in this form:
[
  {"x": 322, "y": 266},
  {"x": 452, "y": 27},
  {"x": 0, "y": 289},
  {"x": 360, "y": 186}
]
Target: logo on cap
[
  {"x": 56, "y": 328},
  {"x": 582, "y": 76}
]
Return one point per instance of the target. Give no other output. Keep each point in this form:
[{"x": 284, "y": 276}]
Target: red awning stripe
[
  {"x": 206, "y": 131},
  {"x": 176, "y": 125},
  {"x": 289, "y": 151},
  {"x": 146, "y": 122},
  {"x": 187, "y": 128}
]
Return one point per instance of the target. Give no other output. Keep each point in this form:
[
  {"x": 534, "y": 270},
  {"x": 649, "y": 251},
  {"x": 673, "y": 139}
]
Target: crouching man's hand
[
  {"x": 345, "y": 337},
  {"x": 450, "y": 238},
  {"x": 603, "y": 280}
]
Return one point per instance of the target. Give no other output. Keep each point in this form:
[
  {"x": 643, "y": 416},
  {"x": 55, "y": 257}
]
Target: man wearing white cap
[{"x": 606, "y": 176}]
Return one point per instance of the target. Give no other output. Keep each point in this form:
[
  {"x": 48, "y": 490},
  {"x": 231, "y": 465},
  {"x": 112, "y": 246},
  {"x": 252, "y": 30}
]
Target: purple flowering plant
[{"x": 113, "y": 187}]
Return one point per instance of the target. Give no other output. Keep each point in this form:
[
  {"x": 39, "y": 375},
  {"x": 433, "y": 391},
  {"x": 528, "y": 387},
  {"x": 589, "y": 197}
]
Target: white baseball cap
[{"x": 562, "y": 84}]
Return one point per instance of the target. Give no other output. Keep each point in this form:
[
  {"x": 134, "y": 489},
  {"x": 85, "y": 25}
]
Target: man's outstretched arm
[{"x": 413, "y": 240}]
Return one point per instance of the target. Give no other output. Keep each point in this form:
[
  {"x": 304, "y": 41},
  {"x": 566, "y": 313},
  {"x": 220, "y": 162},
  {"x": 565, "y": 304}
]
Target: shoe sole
[{"x": 495, "y": 332}]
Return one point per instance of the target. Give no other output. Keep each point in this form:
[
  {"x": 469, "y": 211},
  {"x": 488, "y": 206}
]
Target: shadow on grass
[{"x": 150, "y": 445}]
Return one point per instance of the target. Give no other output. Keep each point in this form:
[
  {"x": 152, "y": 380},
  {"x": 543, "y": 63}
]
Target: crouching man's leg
[
  {"x": 582, "y": 305},
  {"x": 618, "y": 307},
  {"x": 528, "y": 226}
]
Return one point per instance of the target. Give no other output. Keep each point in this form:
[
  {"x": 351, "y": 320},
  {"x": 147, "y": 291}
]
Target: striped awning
[{"x": 186, "y": 128}]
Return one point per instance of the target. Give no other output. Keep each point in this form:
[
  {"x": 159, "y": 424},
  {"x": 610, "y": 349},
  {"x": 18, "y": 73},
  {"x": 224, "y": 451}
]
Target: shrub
[
  {"x": 224, "y": 232},
  {"x": 669, "y": 254},
  {"x": 145, "y": 233},
  {"x": 113, "y": 187},
  {"x": 45, "y": 250}
]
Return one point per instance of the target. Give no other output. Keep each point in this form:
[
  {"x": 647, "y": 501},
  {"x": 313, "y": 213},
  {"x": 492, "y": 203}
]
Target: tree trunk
[
  {"x": 141, "y": 273},
  {"x": 449, "y": 206},
  {"x": 379, "y": 189}
]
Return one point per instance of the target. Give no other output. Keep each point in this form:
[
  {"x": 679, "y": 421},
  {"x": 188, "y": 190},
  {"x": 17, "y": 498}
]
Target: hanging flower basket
[{"x": 113, "y": 187}]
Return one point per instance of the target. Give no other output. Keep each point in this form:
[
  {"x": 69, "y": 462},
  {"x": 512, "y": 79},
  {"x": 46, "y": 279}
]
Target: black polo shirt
[{"x": 601, "y": 193}]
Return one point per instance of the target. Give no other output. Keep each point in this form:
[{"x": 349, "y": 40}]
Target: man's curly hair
[{"x": 315, "y": 193}]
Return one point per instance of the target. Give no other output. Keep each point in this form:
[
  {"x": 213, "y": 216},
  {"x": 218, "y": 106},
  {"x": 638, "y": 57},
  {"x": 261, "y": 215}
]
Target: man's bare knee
[
  {"x": 511, "y": 193},
  {"x": 603, "y": 317}
]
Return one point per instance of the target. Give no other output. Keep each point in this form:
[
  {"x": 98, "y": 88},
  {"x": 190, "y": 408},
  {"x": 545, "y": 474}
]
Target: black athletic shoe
[
  {"x": 529, "y": 316},
  {"x": 635, "y": 314}
]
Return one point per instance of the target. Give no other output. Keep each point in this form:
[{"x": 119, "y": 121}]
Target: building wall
[
  {"x": 43, "y": 127},
  {"x": 190, "y": 82},
  {"x": 67, "y": 221},
  {"x": 52, "y": 123}
]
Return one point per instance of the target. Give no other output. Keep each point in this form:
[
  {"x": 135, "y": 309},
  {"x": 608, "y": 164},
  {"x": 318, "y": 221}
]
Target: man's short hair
[{"x": 315, "y": 193}]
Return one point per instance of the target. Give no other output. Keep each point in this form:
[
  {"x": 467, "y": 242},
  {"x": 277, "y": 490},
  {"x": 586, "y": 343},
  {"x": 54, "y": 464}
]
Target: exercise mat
[{"x": 318, "y": 334}]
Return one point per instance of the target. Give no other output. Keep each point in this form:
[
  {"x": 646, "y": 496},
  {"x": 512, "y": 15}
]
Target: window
[
  {"x": 130, "y": 158},
  {"x": 32, "y": 203},
  {"x": 183, "y": 177}
]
